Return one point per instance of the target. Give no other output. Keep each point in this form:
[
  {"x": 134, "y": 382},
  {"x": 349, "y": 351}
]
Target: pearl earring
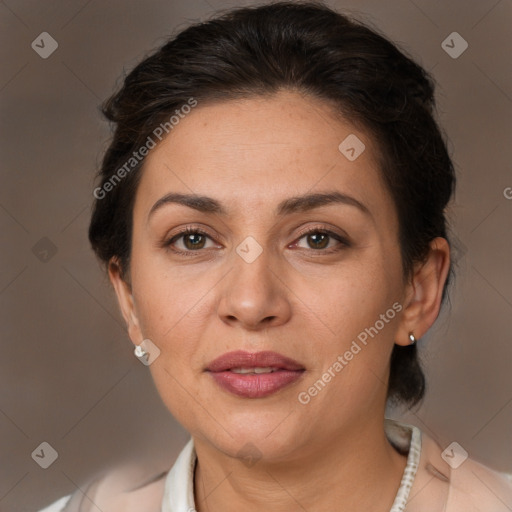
[{"x": 139, "y": 351}]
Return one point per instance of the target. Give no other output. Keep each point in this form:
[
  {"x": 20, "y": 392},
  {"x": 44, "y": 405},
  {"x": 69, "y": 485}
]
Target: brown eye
[
  {"x": 320, "y": 240},
  {"x": 188, "y": 240},
  {"x": 194, "y": 241}
]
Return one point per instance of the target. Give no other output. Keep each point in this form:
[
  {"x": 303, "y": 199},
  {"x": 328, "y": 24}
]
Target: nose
[{"x": 254, "y": 295}]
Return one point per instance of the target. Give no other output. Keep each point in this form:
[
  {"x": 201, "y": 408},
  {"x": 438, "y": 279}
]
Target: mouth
[
  {"x": 254, "y": 375},
  {"x": 268, "y": 369}
]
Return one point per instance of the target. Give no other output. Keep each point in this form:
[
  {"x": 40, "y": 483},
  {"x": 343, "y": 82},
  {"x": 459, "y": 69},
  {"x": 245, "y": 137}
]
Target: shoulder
[
  {"x": 57, "y": 506},
  {"x": 135, "y": 487},
  {"x": 475, "y": 487},
  {"x": 449, "y": 481},
  {"x": 122, "y": 489}
]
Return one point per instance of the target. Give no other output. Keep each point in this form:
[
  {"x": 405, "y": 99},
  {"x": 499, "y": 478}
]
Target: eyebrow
[{"x": 291, "y": 205}]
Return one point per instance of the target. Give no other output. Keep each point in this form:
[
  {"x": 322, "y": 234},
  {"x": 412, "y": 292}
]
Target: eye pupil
[
  {"x": 322, "y": 242},
  {"x": 195, "y": 240}
]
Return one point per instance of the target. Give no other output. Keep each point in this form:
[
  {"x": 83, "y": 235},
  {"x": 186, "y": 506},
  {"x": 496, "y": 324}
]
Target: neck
[{"x": 357, "y": 470}]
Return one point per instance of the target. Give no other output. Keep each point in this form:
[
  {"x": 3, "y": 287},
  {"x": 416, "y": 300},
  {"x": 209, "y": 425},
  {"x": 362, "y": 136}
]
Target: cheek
[
  {"x": 351, "y": 322},
  {"x": 173, "y": 311},
  {"x": 350, "y": 298},
  {"x": 167, "y": 296}
]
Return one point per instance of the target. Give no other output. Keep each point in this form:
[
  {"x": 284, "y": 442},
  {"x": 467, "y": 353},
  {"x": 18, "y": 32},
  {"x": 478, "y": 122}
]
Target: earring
[
  {"x": 412, "y": 339},
  {"x": 139, "y": 351}
]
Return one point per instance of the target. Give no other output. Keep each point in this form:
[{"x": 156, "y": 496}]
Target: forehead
[{"x": 260, "y": 150}]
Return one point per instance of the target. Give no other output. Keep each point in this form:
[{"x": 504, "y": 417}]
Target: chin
[{"x": 251, "y": 434}]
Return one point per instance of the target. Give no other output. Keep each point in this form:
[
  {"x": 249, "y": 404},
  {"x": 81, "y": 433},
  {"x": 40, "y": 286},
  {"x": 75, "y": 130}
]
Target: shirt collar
[{"x": 179, "y": 484}]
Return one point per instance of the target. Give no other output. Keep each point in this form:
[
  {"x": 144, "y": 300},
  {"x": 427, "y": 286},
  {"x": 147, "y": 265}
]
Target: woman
[{"x": 271, "y": 215}]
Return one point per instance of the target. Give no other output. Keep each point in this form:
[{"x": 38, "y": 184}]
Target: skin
[{"x": 296, "y": 298}]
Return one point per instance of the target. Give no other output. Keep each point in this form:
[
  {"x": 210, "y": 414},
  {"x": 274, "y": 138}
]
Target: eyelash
[{"x": 316, "y": 230}]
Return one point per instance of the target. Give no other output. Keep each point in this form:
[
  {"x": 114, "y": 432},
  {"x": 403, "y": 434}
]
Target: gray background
[{"x": 67, "y": 371}]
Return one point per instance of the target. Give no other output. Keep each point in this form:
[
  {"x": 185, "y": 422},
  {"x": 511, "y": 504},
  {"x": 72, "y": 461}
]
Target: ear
[
  {"x": 424, "y": 293},
  {"x": 125, "y": 300}
]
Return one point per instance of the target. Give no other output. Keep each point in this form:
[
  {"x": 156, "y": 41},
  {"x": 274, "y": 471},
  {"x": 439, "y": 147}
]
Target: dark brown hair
[{"x": 303, "y": 46}]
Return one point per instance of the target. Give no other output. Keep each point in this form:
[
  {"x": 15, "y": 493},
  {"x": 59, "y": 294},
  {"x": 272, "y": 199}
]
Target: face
[{"x": 265, "y": 269}]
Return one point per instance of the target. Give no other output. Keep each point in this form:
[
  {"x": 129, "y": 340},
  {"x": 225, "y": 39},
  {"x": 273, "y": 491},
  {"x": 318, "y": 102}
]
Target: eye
[
  {"x": 191, "y": 239},
  {"x": 322, "y": 240}
]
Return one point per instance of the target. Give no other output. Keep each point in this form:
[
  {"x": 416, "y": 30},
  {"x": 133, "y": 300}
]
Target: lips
[
  {"x": 241, "y": 359},
  {"x": 254, "y": 375}
]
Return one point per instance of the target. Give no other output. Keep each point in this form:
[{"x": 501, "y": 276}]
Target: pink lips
[{"x": 252, "y": 385}]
